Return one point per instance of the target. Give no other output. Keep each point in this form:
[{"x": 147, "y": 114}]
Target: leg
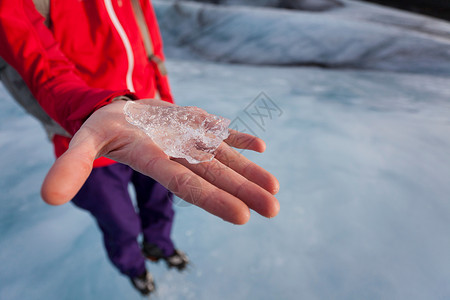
[
  {"x": 105, "y": 196},
  {"x": 156, "y": 212}
]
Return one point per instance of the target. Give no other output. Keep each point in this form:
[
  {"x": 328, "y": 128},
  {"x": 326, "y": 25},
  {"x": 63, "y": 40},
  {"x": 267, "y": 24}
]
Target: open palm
[{"x": 227, "y": 186}]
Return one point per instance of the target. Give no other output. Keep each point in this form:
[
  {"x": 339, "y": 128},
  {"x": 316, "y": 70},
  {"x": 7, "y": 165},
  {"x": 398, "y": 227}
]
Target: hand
[{"x": 227, "y": 186}]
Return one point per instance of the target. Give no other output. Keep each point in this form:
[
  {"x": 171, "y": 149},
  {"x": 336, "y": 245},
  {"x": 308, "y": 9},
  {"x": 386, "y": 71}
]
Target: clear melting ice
[{"x": 180, "y": 131}]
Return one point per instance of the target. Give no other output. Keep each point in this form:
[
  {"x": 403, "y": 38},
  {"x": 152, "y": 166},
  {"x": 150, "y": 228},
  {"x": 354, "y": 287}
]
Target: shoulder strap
[
  {"x": 140, "y": 19},
  {"x": 43, "y": 7}
]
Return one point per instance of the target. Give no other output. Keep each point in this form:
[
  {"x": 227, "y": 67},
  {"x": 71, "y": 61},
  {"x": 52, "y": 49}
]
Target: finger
[
  {"x": 188, "y": 186},
  {"x": 239, "y": 163},
  {"x": 68, "y": 174},
  {"x": 228, "y": 180},
  {"x": 241, "y": 140}
]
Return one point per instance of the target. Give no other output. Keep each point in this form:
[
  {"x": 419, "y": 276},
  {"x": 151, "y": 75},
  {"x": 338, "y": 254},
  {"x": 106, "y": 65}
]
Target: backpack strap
[
  {"x": 140, "y": 19},
  {"x": 43, "y": 7}
]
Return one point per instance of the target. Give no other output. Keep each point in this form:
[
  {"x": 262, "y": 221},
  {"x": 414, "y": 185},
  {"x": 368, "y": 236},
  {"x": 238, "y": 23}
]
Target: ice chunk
[{"x": 180, "y": 131}]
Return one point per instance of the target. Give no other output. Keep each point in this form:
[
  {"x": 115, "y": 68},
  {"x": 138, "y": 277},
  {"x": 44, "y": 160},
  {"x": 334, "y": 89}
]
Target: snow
[{"x": 362, "y": 159}]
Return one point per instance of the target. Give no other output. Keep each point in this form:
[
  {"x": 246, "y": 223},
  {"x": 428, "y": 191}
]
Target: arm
[{"x": 28, "y": 46}]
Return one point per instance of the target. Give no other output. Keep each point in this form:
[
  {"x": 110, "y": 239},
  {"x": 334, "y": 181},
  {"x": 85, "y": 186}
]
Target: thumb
[{"x": 68, "y": 174}]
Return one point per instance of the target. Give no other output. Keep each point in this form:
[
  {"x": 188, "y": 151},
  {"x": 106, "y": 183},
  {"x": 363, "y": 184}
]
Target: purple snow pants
[{"x": 105, "y": 195}]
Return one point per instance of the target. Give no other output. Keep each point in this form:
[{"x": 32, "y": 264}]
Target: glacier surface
[{"x": 356, "y": 35}]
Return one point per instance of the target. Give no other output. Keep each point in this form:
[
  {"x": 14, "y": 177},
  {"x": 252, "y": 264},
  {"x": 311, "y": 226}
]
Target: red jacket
[{"x": 91, "y": 53}]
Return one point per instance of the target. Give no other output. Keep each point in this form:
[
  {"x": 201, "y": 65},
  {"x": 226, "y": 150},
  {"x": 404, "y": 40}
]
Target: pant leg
[
  {"x": 105, "y": 195},
  {"x": 155, "y": 210}
]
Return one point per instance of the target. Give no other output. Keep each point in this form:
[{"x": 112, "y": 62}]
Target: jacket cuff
[{"x": 120, "y": 95}]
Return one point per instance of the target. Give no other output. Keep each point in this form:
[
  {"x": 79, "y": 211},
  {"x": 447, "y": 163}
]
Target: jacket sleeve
[
  {"x": 29, "y": 47},
  {"x": 162, "y": 81}
]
